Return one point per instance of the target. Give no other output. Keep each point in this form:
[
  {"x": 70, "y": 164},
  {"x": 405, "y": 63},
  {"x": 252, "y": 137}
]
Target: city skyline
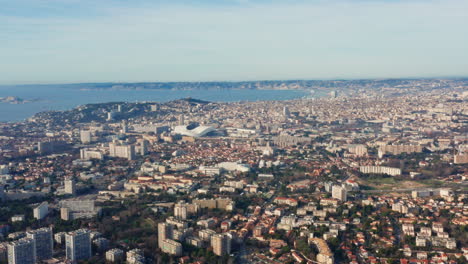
[{"x": 55, "y": 41}]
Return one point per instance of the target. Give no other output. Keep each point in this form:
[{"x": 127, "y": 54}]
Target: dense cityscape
[{"x": 372, "y": 172}]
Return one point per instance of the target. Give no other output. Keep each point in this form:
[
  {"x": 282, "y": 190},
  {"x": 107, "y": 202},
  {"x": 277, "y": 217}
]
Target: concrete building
[
  {"x": 171, "y": 247},
  {"x": 85, "y": 136},
  {"x": 286, "y": 200},
  {"x": 44, "y": 242},
  {"x": 18, "y": 218},
  {"x": 398, "y": 149},
  {"x": 70, "y": 187},
  {"x": 288, "y": 140},
  {"x": 206, "y": 234},
  {"x": 143, "y": 147},
  {"x": 181, "y": 120},
  {"x": 460, "y": 158},
  {"x": 220, "y": 203},
  {"x": 181, "y": 210},
  {"x": 22, "y": 251},
  {"x": 325, "y": 256},
  {"x": 164, "y": 232},
  {"x": 78, "y": 245},
  {"x": 111, "y": 115},
  {"x": 194, "y": 241},
  {"x": 210, "y": 171},
  {"x": 157, "y": 129},
  {"x": 135, "y": 256},
  {"x": 114, "y": 255},
  {"x": 286, "y": 112},
  {"x": 101, "y": 243},
  {"x": 65, "y": 214},
  {"x": 87, "y": 154},
  {"x": 41, "y": 211},
  {"x": 359, "y": 150},
  {"x": 339, "y": 192},
  {"x": 75, "y": 209},
  {"x": 221, "y": 244},
  {"x": 380, "y": 170},
  {"x": 122, "y": 151},
  {"x": 48, "y": 147},
  {"x": 59, "y": 237}
]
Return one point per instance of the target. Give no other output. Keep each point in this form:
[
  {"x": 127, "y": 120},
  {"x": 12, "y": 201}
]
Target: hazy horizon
[{"x": 240, "y": 80}]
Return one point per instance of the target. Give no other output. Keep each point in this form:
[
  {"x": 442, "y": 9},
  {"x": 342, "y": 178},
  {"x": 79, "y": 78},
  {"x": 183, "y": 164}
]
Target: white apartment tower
[
  {"x": 180, "y": 210},
  {"x": 181, "y": 120},
  {"x": 164, "y": 232},
  {"x": 122, "y": 151},
  {"x": 286, "y": 111},
  {"x": 221, "y": 244},
  {"x": 22, "y": 251},
  {"x": 70, "y": 186},
  {"x": 85, "y": 136},
  {"x": 143, "y": 147},
  {"x": 78, "y": 245},
  {"x": 41, "y": 211},
  {"x": 44, "y": 242},
  {"x": 339, "y": 192}
]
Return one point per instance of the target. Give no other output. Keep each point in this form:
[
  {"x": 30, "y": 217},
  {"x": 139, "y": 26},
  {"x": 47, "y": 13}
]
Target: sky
[{"x": 67, "y": 41}]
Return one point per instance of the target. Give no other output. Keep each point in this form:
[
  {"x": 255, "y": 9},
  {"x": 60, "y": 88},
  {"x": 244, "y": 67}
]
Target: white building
[
  {"x": 44, "y": 242},
  {"x": 87, "y": 154},
  {"x": 234, "y": 166},
  {"x": 339, "y": 192},
  {"x": 221, "y": 244},
  {"x": 114, "y": 255},
  {"x": 78, "y": 245},
  {"x": 171, "y": 247},
  {"x": 22, "y": 251},
  {"x": 135, "y": 256},
  {"x": 41, "y": 211},
  {"x": 122, "y": 151},
  {"x": 70, "y": 186},
  {"x": 210, "y": 171},
  {"x": 380, "y": 170},
  {"x": 180, "y": 210},
  {"x": 85, "y": 136}
]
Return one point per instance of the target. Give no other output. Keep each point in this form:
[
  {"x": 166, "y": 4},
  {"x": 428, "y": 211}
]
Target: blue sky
[{"x": 62, "y": 41}]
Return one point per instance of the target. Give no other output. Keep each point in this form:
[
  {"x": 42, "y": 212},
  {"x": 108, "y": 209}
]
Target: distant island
[{"x": 15, "y": 100}]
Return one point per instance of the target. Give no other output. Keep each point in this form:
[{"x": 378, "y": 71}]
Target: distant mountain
[{"x": 272, "y": 85}]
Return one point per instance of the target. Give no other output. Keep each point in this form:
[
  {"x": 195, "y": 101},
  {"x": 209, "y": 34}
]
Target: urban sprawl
[{"x": 361, "y": 175}]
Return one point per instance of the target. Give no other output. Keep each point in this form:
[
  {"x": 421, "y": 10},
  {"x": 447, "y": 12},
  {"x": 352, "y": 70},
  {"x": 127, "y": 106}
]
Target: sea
[{"x": 58, "y": 98}]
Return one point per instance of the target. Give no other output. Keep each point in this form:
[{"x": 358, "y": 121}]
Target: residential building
[
  {"x": 114, "y": 255},
  {"x": 41, "y": 211},
  {"x": 22, "y": 251},
  {"x": 70, "y": 186},
  {"x": 221, "y": 244},
  {"x": 339, "y": 192},
  {"x": 78, "y": 245},
  {"x": 44, "y": 242}
]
